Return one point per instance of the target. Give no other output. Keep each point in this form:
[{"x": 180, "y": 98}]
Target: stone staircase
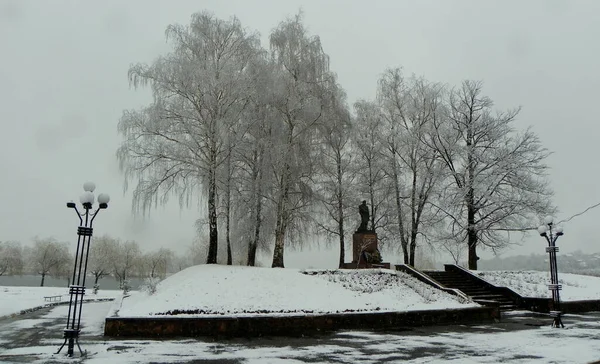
[{"x": 473, "y": 288}]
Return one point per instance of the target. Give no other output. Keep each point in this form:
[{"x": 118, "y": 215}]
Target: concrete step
[
  {"x": 473, "y": 289},
  {"x": 495, "y": 297}
]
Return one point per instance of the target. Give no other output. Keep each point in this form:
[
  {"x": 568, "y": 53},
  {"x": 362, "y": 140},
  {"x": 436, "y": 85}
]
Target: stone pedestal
[{"x": 363, "y": 241}]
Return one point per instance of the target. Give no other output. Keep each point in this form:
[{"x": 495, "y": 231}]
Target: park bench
[{"x": 52, "y": 298}]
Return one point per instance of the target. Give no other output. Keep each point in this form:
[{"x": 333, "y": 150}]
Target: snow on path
[
  {"x": 16, "y": 299},
  {"x": 504, "y": 342}
]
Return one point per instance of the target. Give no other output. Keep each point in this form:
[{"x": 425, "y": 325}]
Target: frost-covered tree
[
  {"x": 497, "y": 179},
  {"x": 370, "y": 165},
  {"x": 100, "y": 260},
  {"x": 49, "y": 256},
  {"x": 179, "y": 263},
  {"x": 334, "y": 170},
  {"x": 155, "y": 263},
  {"x": 126, "y": 259},
  {"x": 301, "y": 69},
  {"x": 176, "y": 145},
  {"x": 409, "y": 109},
  {"x": 254, "y": 178},
  {"x": 11, "y": 258}
]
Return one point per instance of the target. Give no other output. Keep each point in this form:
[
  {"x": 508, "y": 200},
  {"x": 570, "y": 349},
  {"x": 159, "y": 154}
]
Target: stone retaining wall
[
  {"x": 544, "y": 305},
  {"x": 291, "y": 325}
]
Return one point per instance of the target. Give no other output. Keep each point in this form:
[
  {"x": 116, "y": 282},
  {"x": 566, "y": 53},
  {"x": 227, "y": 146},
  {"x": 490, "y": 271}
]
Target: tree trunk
[
  {"x": 213, "y": 243},
  {"x": 472, "y": 242},
  {"x": 257, "y": 178},
  {"x": 43, "y": 278},
  {"x": 96, "y": 277},
  {"x": 413, "y": 247},
  {"x": 342, "y": 242},
  {"x": 229, "y": 255},
  {"x": 403, "y": 239},
  {"x": 471, "y": 208},
  {"x": 254, "y": 242},
  {"x": 228, "y": 228},
  {"x": 280, "y": 229},
  {"x": 279, "y": 241},
  {"x": 251, "y": 254},
  {"x": 472, "y": 235},
  {"x": 340, "y": 197},
  {"x": 473, "y": 258},
  {"x": 228, "y": 210},
  {"x": 282, "y": 213}
]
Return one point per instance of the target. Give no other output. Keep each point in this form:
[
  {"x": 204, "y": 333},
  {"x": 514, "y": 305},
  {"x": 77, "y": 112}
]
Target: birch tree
[
  {"x": 254, "y": 178},
  {"x": 302, "y": 67},
  {"x": 334, "y": 170},
  {"x": 409, "y": 109},
  {"x": 497, "y": 176},
  {"x": 176, "y": 145}
]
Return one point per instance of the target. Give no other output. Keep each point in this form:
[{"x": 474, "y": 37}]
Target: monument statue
[{"x": 363, "y": 210}]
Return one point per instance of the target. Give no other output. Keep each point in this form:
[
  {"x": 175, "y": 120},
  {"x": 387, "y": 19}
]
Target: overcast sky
[{"x": 63, "y": 87}]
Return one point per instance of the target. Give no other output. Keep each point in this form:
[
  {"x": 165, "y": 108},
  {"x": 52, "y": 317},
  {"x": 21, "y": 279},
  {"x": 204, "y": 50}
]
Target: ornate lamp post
[
  {"x": 551, "y": 234},
  {"x": 84, "y": 239}
]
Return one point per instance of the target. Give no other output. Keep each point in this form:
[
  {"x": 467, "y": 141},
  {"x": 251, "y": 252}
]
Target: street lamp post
[
  {"x": 84, "y": 239},
  {"x": 551, "y": 234}
]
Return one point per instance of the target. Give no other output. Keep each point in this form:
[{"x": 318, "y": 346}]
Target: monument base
[{"x": 364, "y": 244}]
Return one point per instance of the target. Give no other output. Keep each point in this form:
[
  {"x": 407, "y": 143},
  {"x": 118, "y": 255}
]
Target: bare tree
[
  {"x": 497, "y": 177},
  {"x": 100, "y": 260},
  {"x": 49, "y": 256},
  {"x": 156, "y": 262},
  {"x": 125, "y": 257},
  {"x": 409, "y": 109},
  {"x": 371, "y": 169},
  {"x": 179, "y": 263},
  {"x": 11, "y": 258},
  {"x": 176, "y": 144}
]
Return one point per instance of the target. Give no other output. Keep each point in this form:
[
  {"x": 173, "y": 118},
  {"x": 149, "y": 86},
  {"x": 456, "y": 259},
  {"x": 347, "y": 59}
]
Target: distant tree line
[
  {"x": 108, "y": 257},
  {"x": 576, "y": 262},
  {"x": 266, "y": 139}
]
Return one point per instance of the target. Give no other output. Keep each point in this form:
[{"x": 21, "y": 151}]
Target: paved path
[{"x": 521, "y": 337}]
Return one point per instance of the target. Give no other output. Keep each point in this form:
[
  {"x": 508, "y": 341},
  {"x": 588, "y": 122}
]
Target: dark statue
[{"x": 363, "y": 209}]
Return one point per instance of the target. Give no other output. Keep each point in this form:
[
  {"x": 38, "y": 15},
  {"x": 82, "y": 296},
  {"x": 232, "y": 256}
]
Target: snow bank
[
  {"x": 206, "y": 290},
  {"x": 535, "y": 284}
]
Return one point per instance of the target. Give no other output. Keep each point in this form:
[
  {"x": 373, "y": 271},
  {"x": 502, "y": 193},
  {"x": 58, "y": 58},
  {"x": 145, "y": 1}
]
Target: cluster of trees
[
  {"x": 266, "y": 137},
  {"x": 108, "y": 257},
  {"x": 46, "y": 257}
]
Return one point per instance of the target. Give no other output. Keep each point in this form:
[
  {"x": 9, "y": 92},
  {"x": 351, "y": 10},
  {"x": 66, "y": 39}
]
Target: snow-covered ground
[
  {"x": 235, "y": 290},
  {"x": 16, "y": 299},
  {"x": 535, "y": 284},
  {"x": 520, "y": 338}
]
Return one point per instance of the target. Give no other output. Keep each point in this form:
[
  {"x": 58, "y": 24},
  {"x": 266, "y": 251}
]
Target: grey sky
[{"x": 63, "y": 86}]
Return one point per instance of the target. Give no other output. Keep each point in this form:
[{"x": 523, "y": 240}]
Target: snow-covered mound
[
  {"x": 207, "y": 290},
  {"x": 535, "y": 284}
]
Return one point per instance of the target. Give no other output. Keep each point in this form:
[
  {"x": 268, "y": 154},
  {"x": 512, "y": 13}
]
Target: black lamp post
[
  {"x": 551, "y": 234},
  {"x": 84, "y": 239}
]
